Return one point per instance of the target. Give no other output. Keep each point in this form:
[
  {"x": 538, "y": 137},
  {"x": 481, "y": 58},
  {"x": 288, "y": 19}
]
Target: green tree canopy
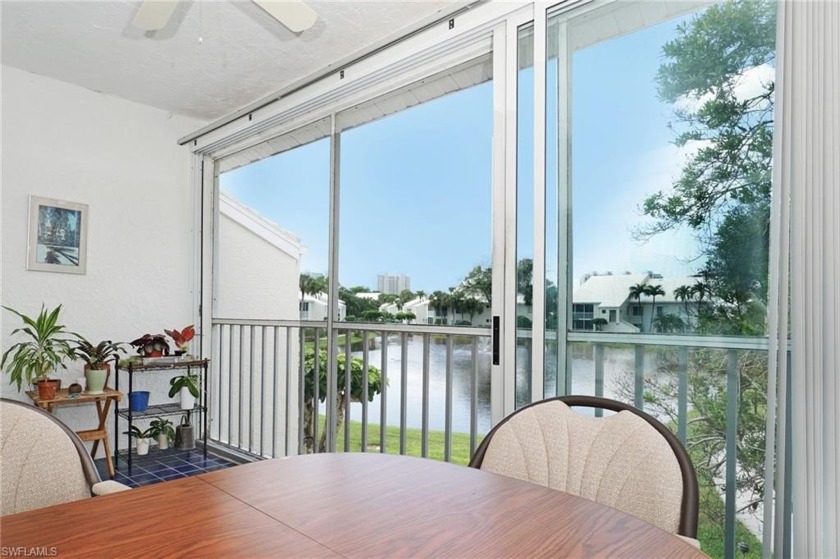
[{"x": 479, "y": 283}]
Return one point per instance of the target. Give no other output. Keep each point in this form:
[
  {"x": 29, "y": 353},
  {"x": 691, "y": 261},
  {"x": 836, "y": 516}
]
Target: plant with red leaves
[{"x": 183, "y": 337}]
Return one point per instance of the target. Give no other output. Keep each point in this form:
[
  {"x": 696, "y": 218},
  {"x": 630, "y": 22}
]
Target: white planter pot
[
  {"x": 95, "y": 379},
  {"x": 163, "y": 442},
  {"x": 143, "y": 446},
  {"x": 187, "y": 399}
]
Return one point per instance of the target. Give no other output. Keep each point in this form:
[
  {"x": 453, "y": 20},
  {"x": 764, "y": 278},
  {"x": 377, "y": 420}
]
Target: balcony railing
[{"x": 436, "y": 384}]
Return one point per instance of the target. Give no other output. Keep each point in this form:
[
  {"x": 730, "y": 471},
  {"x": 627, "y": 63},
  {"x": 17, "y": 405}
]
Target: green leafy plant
[
  {"x": 45, "y": 350},
  {"x": 144, "y": 434},
  {"x": 188, "y": 380},
  {"x": 357, "y": 374},
  {"x": 96, "y": 356},
  {"x": 162, "y": 426}
]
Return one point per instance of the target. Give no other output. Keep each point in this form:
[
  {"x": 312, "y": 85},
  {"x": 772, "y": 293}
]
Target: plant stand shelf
[{"x": 167, "y": 365}]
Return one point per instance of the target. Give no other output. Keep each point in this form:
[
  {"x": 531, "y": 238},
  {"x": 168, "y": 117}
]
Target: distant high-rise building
[{"x": 394, "y": 285}]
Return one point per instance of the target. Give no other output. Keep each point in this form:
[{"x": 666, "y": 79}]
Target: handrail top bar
[
  {"x": 475, "y": 331},
  {"x": 263, "y": 322},
  {"x": 680, "y": 340},
  {"x": 676, "y": 340}
]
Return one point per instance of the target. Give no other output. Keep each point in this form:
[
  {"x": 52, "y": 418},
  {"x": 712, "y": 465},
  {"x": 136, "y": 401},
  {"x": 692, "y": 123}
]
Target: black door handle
[{"x": 496, "y": 322}]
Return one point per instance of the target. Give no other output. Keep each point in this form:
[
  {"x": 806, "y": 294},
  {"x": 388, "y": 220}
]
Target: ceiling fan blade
[
  {"x": 294, "y": 14},
  {"x": 154, "y": 14}
]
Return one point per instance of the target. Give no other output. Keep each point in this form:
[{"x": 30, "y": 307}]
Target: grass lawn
[{"x": 413, "y": 442}]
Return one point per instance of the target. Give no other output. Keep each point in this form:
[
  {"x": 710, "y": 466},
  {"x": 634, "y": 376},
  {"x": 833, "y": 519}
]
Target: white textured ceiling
[{"x": 244, "y": 54}]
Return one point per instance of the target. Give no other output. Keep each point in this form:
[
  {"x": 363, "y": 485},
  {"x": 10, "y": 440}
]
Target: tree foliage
[
  {"x": 724, "y": 120},
  {"x": 357, "y": 376},
  {"x": 730, "y": 126},
  {"x": 479, "y": 283},
  {"x": 312, "y": 285}
]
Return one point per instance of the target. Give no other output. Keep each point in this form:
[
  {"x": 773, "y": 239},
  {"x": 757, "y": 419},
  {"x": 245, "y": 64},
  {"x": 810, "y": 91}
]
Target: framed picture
[{"x": 57, "y": 236}]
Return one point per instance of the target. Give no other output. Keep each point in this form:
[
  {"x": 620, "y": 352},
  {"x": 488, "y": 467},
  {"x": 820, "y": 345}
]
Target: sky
[{"x": 416, "y": 186}]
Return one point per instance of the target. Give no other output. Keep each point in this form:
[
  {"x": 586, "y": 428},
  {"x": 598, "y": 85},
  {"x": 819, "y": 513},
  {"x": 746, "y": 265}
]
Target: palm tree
[
  {"x": 684, "y": 293},
  {"x": 700, "y": 290},
  {"x": 439, "y": 301},
  {"x": 636, "y": 292},
  {"x": 472, "y": 306},
  {"x": 653, "y": 291},
  {"x": 311, "y": 285},
  {"x": 458, "y": 303}
]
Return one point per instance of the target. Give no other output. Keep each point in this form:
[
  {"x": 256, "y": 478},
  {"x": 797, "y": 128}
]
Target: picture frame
[{"x": 57, "y": 236}]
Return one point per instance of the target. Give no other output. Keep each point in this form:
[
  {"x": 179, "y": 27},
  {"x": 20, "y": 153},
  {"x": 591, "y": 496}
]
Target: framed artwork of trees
[{"x": 57, "y": 236}]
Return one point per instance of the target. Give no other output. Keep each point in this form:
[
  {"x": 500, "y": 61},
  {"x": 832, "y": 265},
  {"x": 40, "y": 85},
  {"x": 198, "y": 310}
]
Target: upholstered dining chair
[
  {"x": 627, "y": 460},
  {"x": 43, "y": 462}
]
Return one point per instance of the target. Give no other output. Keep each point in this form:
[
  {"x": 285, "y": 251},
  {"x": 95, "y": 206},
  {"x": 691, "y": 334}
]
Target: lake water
[{"x": 617, "y": 362}]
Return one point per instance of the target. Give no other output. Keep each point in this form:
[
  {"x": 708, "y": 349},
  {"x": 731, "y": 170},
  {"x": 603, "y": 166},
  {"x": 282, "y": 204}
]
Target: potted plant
[
  {"x": 181, "y": 338},
  {"x": 96, "y": 357},
  {"x": 45, "y": 350},
  {"x": 143, "y": 439},
  {"x": 187, "y": 386},
  {"x": 151, "y": 345},
  {"x": 163, "y": 430}
]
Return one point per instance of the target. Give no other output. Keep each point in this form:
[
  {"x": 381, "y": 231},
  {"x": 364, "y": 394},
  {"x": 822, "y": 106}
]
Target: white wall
[
  {"x": 122, "y": 159},
  {"x": 256, "y": 279}
]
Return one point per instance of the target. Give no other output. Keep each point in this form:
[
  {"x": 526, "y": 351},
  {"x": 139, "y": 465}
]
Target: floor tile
[{"x": 162, "y": 465}]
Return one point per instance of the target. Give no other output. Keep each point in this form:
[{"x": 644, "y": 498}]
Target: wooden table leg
[{"x": 103, "y": 416}]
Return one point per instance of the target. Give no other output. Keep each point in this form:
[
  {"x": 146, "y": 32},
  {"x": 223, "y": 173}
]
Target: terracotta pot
[
  {"x": 156, "y": 353},
  {"x": 47, "y": 388}
]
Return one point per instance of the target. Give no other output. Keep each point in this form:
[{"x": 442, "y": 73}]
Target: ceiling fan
[{"x": 294, "y": 14}]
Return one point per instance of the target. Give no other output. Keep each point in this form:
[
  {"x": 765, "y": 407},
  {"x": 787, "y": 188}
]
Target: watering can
[{"x": 184, "y": 435}]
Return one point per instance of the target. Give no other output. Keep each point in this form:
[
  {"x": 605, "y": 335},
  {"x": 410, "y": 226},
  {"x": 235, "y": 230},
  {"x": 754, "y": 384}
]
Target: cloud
[
  {"x": 659, "y": 168},
  {"x": 746, "y": 85}
]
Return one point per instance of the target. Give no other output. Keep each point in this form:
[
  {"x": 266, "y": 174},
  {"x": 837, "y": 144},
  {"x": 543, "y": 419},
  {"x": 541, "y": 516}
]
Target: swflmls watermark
[{"x": 22, "y": 551}]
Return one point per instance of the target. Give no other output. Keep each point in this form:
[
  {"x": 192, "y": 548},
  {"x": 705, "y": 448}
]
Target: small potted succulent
[
  {"x": 151, "y": 345},
  {"x": 187, "y": 386},
  {"x": 163, "y": 430},
  {"x": 143, "y": 439},
  {"x": 181, "y": 338},
  {"x": 45, "y": 349},
  {"x": 96, "y": 357}
]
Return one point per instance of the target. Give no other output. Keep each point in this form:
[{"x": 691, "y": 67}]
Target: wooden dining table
[{"x": 340, "y": 505}]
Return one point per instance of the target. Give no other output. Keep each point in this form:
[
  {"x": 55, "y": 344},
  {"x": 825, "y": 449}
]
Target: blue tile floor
[{"x": 162, "y": 465}]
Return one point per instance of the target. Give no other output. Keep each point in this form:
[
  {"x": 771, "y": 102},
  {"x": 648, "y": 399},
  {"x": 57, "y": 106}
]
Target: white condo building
[{"x": 392, "y": 284}]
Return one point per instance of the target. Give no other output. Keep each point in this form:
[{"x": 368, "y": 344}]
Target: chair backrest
[
  {"x": 628, "y": 460},
  {"x": 42, "y": 461}
]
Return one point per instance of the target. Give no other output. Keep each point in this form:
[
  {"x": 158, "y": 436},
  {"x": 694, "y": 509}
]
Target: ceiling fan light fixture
[
  {"x": 154, "y": 14},
  {"x": 294, "y": 14}
]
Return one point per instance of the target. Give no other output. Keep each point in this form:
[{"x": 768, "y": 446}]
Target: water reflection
[
  {"x": 618, "y": 362},
  {"x": 462, "y": 371}
]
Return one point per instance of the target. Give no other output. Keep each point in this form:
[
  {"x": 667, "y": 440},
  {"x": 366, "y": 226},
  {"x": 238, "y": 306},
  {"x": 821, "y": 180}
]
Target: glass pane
[
  {"x": 524, "y": 212},
  {"x": 553, "y": 283},
  {"x": 273, "y": 236},
  {"x": 415, "y": 227},
  {"x": 671, "y": 171},
  {"x": 671, "y": 123}
]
